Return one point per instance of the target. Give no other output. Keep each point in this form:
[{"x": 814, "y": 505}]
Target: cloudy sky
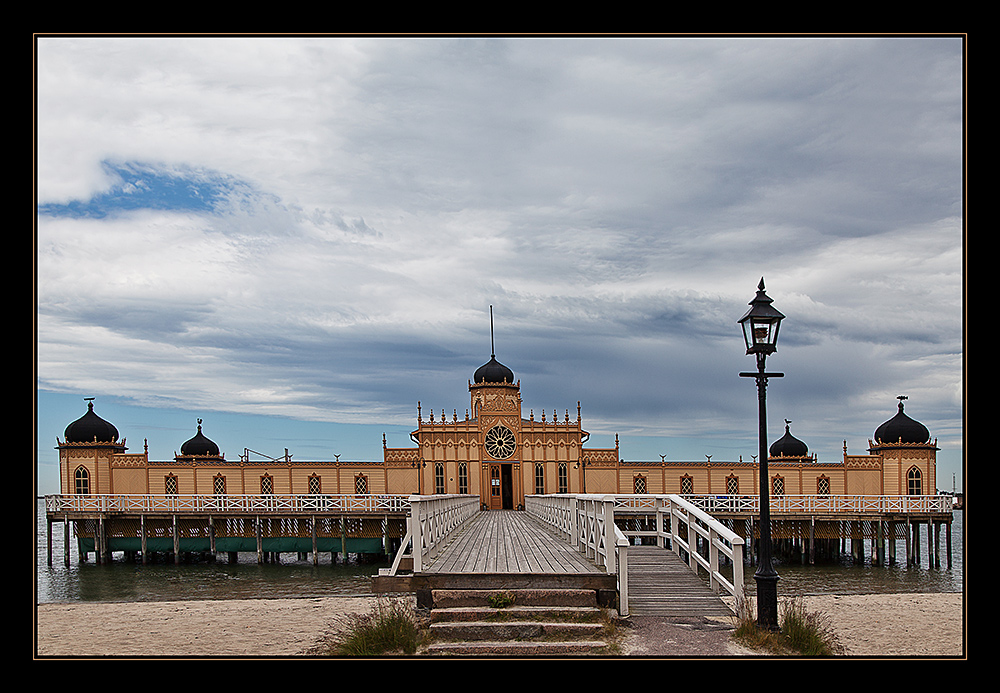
[{"x": 298, "y": 239}]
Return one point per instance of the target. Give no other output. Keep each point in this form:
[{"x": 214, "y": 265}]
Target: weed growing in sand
[
  {"x": 390, "y": 628},
  {"x": 801, "y": 632}
]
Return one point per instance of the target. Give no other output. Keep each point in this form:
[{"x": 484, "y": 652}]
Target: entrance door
[{"x": 501, "y": 486}]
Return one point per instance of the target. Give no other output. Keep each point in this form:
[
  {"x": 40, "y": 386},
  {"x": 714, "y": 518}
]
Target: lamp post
[{"x": 760, "y": 332}]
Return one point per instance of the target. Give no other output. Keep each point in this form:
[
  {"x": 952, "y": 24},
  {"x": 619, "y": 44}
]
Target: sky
[{"x": 296, "y": 240}]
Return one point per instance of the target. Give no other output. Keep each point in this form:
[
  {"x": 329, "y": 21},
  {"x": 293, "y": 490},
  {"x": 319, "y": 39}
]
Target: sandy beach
[{"x": 883, "y": 625}]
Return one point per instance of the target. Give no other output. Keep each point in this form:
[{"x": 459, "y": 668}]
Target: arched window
[
  {"x": 733, "y": 485},
  {"x": 82, "y": 481},
  {"x": 639, "y": 484},
  {"x": 315, "y": 484},
  {"x": 463, "y": 477},
  {"x": 170, "y": 485},
  {"x": 778, "y": 486},
  {"x": 360, "y": 484},
  {"x": 914, "y": 487},
  {"x": 539, "y": 478},
  {"x": 823, "y": 486},
  {"x": 219, "y": 485},
  {"x": 563, "y": 478},
  {"x": 266, "y": 485},
  {"x": 439, "y": 477},
  {"x": 687, "y": 484}
]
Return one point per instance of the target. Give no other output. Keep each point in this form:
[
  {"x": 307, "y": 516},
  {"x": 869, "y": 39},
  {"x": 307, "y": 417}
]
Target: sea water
[{"x": 294, "y": 577}]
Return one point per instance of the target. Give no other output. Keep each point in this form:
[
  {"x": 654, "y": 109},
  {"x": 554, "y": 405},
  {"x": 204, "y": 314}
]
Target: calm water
[{"x": 123, "y": 581}]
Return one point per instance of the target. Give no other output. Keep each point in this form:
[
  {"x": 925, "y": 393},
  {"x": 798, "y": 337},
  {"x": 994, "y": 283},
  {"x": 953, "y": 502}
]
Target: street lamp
[{"x": 760, "y": 332}]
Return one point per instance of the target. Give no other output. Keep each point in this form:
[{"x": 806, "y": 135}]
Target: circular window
[{"x": 500, "y": 442}]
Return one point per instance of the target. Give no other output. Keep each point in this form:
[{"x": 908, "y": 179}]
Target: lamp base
[{"x": 767, "y": 601}]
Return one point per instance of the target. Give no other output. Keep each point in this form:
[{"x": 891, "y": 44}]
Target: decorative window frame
[
  {"x": 81, "y": 481},
  {"x": 439, "y": 484}
]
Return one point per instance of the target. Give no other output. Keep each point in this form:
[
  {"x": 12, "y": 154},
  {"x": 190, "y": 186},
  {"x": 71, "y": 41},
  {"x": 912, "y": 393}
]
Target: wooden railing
[
  {"x": 791, "y": 504},
  {"x": 687, "y": 523},
  {"x": 584, "y": 521},
  {"x": 432, "y": 520},
  {"x": 587, "y": 522},
  {"x": 207, "y": 504}
]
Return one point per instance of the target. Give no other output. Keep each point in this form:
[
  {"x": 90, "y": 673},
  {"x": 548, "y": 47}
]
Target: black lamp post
[{"x": 760, "y": 331}]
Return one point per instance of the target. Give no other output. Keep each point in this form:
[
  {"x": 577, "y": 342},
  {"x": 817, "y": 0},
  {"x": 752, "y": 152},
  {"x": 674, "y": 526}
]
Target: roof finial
[
  {"x": 901, "y": 398},
  {"x": 493, "y": 351}
]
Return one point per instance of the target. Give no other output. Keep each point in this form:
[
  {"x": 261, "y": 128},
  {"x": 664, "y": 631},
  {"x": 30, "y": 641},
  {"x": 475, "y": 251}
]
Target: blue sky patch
[{"x": 142, "y": 186}]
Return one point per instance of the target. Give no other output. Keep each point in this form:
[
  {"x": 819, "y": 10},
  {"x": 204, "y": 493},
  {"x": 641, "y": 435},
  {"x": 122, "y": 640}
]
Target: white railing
[
  {"x": 792, "y": 504},
  {"x": 432, "y": 520},
  {"x": 717, "y": 538},
  {"x": 291, "y": 504},
  {"x": 581, "y": 519},
  {"x": 587, "y": 522}
]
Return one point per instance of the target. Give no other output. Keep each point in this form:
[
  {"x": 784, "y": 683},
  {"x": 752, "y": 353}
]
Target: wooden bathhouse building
[{"x": 200, "y": 501}]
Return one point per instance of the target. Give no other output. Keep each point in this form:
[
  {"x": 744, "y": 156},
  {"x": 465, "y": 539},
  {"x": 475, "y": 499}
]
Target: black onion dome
[
  {"x": 200, "y": 446},
  {"x": 901, "y": 429},
  {"x": 90, "y": 428},
  {"x": 493, "y": 372},
  {"x": 788, "y": 446}
]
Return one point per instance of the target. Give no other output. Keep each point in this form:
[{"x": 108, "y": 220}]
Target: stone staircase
[{"x": 537, "y": 622}]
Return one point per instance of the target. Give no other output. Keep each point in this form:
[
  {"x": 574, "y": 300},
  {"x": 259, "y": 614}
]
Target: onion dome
[
  {"x": 91, "y": 428},
  {"x": 901, "y": 429},
  {"x": 788, "y": 445},
  {"x": 493, "y": 372},
  {"x": 199, "y": 446}
]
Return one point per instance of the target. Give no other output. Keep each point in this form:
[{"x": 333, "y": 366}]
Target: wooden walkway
[
  {"x": 509, "y": 541},
  {"x": 507, "y": 549},
  {"x": 660, "y": 584}
]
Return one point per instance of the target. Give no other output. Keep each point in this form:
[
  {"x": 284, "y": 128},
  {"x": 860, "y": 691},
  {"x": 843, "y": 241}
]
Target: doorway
[{"x": 501, "y": 486}]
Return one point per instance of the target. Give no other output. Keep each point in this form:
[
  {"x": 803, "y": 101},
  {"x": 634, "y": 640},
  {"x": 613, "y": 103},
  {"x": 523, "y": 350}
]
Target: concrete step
[
  {"x": 522, "y": 597},
  {"x": 517, "y": 613},
  {"x": 514, "y": 630},
  {"x": 519, "y": 648},
  {"x": 537, "y": 622}
]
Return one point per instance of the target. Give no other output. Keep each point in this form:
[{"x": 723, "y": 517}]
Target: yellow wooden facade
[{"x": 495, "y": 451}]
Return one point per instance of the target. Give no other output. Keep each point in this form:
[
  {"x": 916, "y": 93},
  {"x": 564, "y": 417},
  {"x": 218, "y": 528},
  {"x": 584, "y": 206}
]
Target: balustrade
[{"x": 237, "y": 504}]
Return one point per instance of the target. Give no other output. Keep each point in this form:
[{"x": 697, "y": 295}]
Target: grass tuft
[
  {"x": 390, "y": 628},
  {"x": 801, "y": 632},
  {"x": 501, "y": 600}
]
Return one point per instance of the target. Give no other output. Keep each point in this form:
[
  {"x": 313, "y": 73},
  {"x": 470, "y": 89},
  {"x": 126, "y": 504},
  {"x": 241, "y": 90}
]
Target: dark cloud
[{"x": 317, "y": 229}]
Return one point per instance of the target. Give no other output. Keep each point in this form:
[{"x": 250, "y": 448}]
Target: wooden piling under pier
[{"x": 176, "y": 534}]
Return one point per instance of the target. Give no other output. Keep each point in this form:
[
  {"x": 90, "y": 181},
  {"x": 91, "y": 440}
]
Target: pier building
[{"x": 200, "y": 501}]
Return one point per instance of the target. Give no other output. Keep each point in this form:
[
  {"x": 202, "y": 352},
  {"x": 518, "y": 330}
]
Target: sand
[
  {"x": 884, "y": 625},
  {"x": 895, "y": 625}
]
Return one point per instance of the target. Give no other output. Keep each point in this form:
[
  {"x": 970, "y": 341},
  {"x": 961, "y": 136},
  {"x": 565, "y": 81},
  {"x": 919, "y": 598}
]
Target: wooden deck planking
[
  {"x": 660, "y": 584},
  {"x": 508, "y": 541}
]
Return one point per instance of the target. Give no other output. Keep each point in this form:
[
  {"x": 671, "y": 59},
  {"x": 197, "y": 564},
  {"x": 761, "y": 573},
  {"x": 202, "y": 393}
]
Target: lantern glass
[{"x": 760, "y": 324}]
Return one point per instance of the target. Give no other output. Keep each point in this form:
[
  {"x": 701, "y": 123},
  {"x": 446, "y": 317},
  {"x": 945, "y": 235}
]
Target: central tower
[{"x": 495, "y": 399}]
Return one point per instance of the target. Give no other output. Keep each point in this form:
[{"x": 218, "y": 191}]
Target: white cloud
[{"x": 617, "y": 200}]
